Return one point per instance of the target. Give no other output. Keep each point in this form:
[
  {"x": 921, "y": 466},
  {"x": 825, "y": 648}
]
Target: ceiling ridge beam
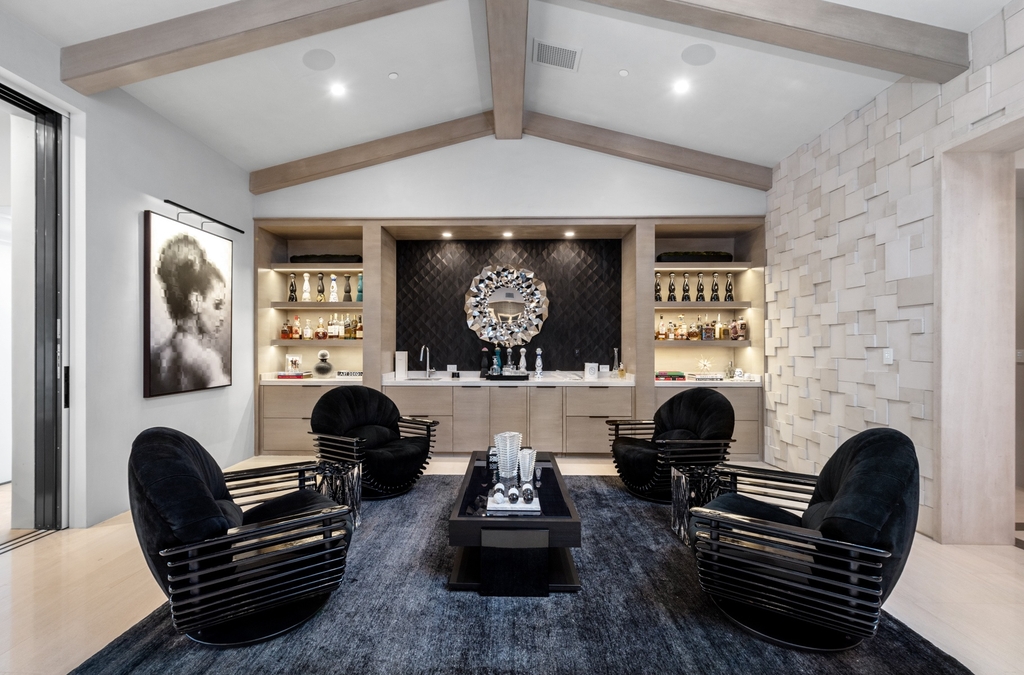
[
  {"x": 210, "y": 35},
  {"x": 506, "y": 40},
  {"x": 648, "y": 151},
  {"x": 824, "y": 28},
  {"x": 371, "y": 153}
]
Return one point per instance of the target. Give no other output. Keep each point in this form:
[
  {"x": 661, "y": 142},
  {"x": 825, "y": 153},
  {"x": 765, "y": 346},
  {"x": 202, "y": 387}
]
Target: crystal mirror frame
[{"x": 516, "y": 329}]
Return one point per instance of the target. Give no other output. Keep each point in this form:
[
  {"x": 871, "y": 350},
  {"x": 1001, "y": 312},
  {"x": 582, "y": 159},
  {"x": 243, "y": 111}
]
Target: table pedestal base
[{"x": 557, "y": 571}]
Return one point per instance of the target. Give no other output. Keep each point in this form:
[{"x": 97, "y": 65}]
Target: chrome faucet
[{"x": 426, "y": 349}]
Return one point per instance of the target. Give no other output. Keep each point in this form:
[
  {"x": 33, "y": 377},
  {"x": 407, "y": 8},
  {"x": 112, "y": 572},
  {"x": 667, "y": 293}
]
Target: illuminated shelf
[
  {"x": 323, "y": 305},
  {"x": 708, "y": 344},
  {"x": 316, "y": 343},
  {"x": 738, "y": 304}
]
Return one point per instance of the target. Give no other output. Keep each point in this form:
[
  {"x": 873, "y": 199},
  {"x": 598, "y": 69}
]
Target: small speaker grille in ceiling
[{"x": 557, "y": 57}]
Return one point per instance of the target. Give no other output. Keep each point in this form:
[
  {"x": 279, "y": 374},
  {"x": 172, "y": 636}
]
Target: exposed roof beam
[
  {"x": 645, "y": 150},
  {"x": 824, "y": 28},
  {"x": 506, "y": 38},
  {"x": 371, "y": 153},
  {"x": 211, "y": 35}
]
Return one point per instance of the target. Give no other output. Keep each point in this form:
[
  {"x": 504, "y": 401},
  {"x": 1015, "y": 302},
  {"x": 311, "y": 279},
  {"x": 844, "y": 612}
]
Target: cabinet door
[
  {"x": 508, "y": 411},
  {"x": 587, "y": 436},
  {"x": 284, "y": 436},
  {"x": 443, "y": 434},
  {"x": 293, "y": 401},
  {"x": 471, "y": 421},
  {"x": 746, "y": 402},
  {"x": 608, "y": 401},
  {"x": 748, "y": 441},
  {"x": 427, "y": 401},
  {"x": 546, "y": 419}
]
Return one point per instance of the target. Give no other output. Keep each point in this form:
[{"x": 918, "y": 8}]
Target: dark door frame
[{"x": 50, "y": 376}]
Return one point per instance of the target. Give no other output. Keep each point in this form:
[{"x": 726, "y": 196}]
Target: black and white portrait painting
[{"x": 187, "y": 322}]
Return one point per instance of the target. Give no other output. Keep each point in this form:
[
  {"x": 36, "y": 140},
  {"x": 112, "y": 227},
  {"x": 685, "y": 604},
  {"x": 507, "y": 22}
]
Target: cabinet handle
[
  {"x": 307, "y": 418},
  {"x": 310, "y": 386},
  {"x": 506, "y": 387},
  {"x": 598, "y": 417},
  {"x": 471, "y": 386},
  {"x": 547, "y": 387},
  {"x": 597, "y": 387}
]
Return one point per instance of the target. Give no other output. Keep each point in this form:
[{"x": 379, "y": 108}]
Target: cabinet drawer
[
  {"x": 422, "y": 401},
  {"x": 471, "y": 421},
  {"x": 748, "y": 444},
  {"x": 508, "y": 411},
  {"x": 587, "y": 435},
  {"x": 746, "y": 402},
  {"x": 283, "y": 436},
  {"x": 291, "y": 400},
  {"x": 546, "y": 419},
  {"x": 608, "y": 401}
]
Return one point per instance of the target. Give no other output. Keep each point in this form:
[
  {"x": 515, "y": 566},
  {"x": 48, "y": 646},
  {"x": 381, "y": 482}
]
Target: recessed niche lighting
[
  {"x": 337, "y": 90},
  {"x": 681, "y": 86},
  {"x": 318, "y": 59},
  {"x": 392, "y": 76},
  {"x": 570, "y": 233},
  {"x": 506, "y": 234},
  {"x": 623, "y": 73},
  {"x": 446, "y": 234},
  {"x": 699, "y": 54}
]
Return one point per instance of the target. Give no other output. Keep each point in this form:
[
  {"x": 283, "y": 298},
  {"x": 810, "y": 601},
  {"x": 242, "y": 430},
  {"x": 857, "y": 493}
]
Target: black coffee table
[{"x": 514, "y": 554}]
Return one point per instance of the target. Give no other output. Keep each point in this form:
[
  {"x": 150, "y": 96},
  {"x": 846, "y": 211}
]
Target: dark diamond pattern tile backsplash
[{"x": 584, "y": 284}]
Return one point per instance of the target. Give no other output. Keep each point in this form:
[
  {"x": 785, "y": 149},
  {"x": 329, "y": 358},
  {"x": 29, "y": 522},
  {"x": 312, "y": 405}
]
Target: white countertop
[
  {"x": 754, "y": 382},
  {"x": 270, "y": 379},
  {"x": 554, "y": 378}
]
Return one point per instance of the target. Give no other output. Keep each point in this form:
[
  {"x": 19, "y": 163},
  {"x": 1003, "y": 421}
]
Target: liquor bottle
[
  {"x": 700, "y": 287},
  {"x": 728, "y": 288},
  {"x": 741, "y": 326},
  {"x": 359, "y": 288},
  {"x": 307, "y": 332},
  {"x": 734, "y": 330},
  {"x": 720, "y": 330},
  {"x": 350, "y": 330},
  {"x": 334, "y": 288},
  {"x": 714, "y": 288},
  {"x": 497, "y": 358},
  {"x": 672, "y": 287},
  {"x": 671, "y": 330},
  {"x": 332, "y": 327},
  {"x": 305, "y": 287},
  {"x": 681, "y": 328},
  {"x": 291, "y": 288},
  {"x": 709, "y": 329},
  {"x": 662, "y": 335},
  {"x": 485, "y": 362},
  {"x": 297, "y": 329},
  {"x": 320, "y": 288},
  {"x": 348, "y": 289},
  {"x": 657, "y": 286},
  {"x": 522, "y": 360},
  {"x": 686, "y": 287},
  {"x": 321, "y": 330},
  {"x": 538, "y": 366},
  {"x": 693, "y": 333},
  {"x": 359, "y": 328},
  {"x": 286, "y": 331}
]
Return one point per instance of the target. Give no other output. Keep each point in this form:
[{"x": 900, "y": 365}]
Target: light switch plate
[{"x": 887, "y": 357}]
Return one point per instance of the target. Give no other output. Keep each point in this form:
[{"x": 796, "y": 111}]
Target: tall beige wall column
[{"x": 379, "y": 287}]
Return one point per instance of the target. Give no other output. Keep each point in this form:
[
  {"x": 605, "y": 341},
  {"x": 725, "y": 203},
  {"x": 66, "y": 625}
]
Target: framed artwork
[{"x": 187, "y": 308}]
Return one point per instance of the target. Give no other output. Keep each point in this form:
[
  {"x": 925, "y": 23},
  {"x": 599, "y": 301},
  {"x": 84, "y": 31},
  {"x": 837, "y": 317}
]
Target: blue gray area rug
[{"x": 640, "y": 611}]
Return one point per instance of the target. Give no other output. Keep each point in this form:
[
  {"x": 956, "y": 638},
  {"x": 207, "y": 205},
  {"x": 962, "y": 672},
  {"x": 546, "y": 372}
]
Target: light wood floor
[
  {"x": 64, "y": 597},
  {"x": 6, "y": 533}
]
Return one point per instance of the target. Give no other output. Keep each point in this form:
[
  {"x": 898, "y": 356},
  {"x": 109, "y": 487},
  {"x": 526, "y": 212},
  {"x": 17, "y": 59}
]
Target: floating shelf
[
  {"x": 324, "y": 305},
  {"x": 738, "y": 304},
  {"x": 313, "y": 268},
  {"x": 702, "y": 267},
  {"x": 707, "y": 344},
  {"x": 316, "y": 343}
]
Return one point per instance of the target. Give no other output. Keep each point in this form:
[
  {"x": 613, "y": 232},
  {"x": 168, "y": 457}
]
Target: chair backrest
[
  {"x": 703, "y": 412},
  {"x": 177, "y": 495},
  {"x": 344, "y": 409},
  {"x": 867, "y": 494}
]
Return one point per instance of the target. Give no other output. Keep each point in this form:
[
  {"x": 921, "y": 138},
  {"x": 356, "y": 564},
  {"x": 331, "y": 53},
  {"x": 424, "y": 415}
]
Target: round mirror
[{"x": 506, "y": 306}]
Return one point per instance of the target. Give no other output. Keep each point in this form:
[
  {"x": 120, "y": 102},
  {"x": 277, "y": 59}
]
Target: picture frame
[{"x": 187, "y": 307}]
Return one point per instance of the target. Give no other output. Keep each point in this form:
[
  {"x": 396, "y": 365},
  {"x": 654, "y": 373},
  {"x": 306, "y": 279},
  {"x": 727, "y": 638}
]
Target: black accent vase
[{"x": 348, "y": 289}]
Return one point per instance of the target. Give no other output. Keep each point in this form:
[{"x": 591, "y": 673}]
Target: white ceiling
[{"x": 754, "y": 102}]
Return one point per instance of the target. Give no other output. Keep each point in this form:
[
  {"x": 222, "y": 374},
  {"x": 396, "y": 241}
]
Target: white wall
[
  {"x": 531, "y": 177},
  {"x": 5, "y": 330},
  {"x": 125, "y": 159}
]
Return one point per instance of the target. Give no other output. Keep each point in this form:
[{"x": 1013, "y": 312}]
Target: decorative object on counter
[
  {"x": 657, "y": 286},
  {"x": 616, "y": 363},
  {"x": 293, "y": 363},
  {"x": 334, "y": 288},
  {"x": 528, "y": 494},
  {"x": 292, "y": 292},
  {"x": 527, "y": 460},
  {"x": 700, "y": 287},
  {"x": 728, "y": 288},
  {"x": 672, "y": 287},
  {"x": 320, "y": 333},
  {"x": 714, "y": 288},
  {"x": 359, "y": 288},
  {"x": 730, "y": 371},
  {"x": 323, "y": 368},
  {"x": 295, "y": 375},
  {"x": 305, "y": 287},
  {"x": 590, "y": 371},
  {"x": 739, "y": 374},
  {"x": 669, "y": 376},
  {"x": 348, "y": 289},
  {"x": 508, "y": 444},
  {"x": 325, "y": 258},
  {"x": 509, "y": 365},
  {"x": 349, "y": 373},
  {"x": 513, "y": 495},
  {"x": 497, "y": 358},
  {"x": 485, "y": 362},
  {"x": 320, "y": 297},
  {"x": 705, "y": 364},
  {"x": 522, "y": 359},
  {"x": 694, "y": 256},
  {"x": 686, "y": 287},
  {"x": 538, "y": 366},
  {"x": 401, "y": 365},
  {"x": 506, "y": 305}
]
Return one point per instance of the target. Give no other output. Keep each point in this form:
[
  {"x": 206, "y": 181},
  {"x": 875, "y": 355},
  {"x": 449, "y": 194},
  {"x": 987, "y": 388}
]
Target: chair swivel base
[
  {"x": 783, "y": 630},
  {"x": 260, "y": 626}
]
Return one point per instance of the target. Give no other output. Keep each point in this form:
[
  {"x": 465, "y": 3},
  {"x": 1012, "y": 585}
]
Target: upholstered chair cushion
[
  {"x": 701, "y": 411},
  {"x": 344, "y": 409},
  {"x": 742, "y": 505},
  {"x": 373, "y": 434}
]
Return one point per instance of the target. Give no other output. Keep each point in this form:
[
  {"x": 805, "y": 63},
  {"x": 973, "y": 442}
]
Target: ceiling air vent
[{"x": 547, "y": 54}]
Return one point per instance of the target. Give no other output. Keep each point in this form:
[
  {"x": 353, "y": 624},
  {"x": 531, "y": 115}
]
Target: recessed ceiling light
[
  {"x": 681, "y": 86},
  {"x": 392, "y": 76},
  {"x": 699, "y": 54},
  {"x": 446, "y": 234},
  {"x": 318, "y": 59},
  {"x": 570, "y": 233},
  {"x": 506, "y": 234},
  {"x": 623, "y": 73},
  {"x": 337, "y": 90}
]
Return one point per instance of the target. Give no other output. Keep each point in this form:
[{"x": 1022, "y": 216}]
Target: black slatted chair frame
[
  {"x": 679, "y": 454},
  {"x": 755, "y": 569},
  {"x": 351, "y": 452}
]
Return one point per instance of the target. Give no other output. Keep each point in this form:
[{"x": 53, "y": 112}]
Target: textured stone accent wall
[{"x": 849, "y": 239}]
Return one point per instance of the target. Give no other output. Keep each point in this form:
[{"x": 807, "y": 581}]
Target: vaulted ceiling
[{"x": 756, "y": 88}]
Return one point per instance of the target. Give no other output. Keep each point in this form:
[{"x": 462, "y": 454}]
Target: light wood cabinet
[
  {"x": 587, "y": 436},
  {"x": 747, "y": 406},
  {"x": 286, "y": 436},
  {"x": 471, "y": 429},
  {"x": 547, "y": 422},
  {"x": 596, "y": 401},
  {"x": 509, "y": 411},
  {"x": 286, "y": 411},
  {"x": 443, "y": 433},
  {"x": 422, "y": 401}
]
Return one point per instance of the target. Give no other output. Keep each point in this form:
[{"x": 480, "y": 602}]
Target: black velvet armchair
[
  {"x": 692, "y": 429},
  {"x": 234, "y": 576},
  {"x": 361, "y": 428},
  {"x": 815, "y": 580}
]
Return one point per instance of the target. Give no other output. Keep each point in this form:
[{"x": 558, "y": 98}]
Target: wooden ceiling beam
[
  {"x": 371, "y": 153},
  {"x": 506, "y": 39},
  {"x": 647, "y": 151},
  {"x": 210, "y": 35},
  {"x": 824, "y": 28}
]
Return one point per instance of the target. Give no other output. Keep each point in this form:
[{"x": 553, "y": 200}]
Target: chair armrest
[
  {"x": 416, "y": 426},
  {"x": 417, "y": 421},
  {"x": 338, "y": 448},
  {"x": 642, "y": 429},
  {"x": 787, "y": 488},
  {"x": 705, "y": 452},
  {"x": 249, "y": 487}
]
